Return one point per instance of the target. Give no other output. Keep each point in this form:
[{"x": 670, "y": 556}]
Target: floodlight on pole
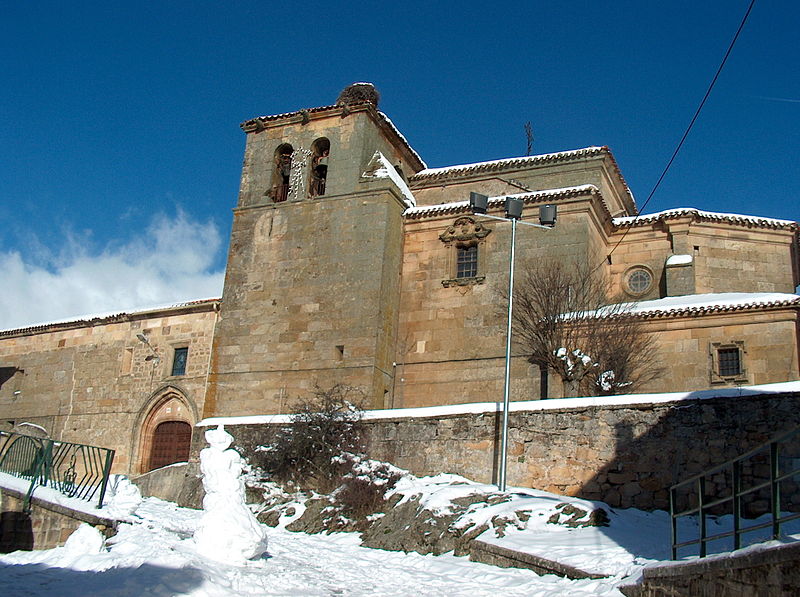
[
  {"x": 478, "y": 203},
  {"x": 154, "y": 354},
  {"x": 513, "y": 213},
  {"x": 548, "y": 215}
]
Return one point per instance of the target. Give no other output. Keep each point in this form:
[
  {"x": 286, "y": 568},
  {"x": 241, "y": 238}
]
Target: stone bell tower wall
[{"x": 312, "y": 284}]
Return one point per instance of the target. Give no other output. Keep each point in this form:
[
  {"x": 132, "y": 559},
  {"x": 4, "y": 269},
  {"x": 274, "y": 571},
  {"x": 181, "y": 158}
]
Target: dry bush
[
  {"x": 307, "y": 453},
  {"x": 365, "y": 485}
]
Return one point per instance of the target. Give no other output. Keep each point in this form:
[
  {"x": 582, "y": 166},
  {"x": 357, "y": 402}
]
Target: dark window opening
[
  {"x": 6, "y": 373},
  {"x": 729, "y": 362},
  {"x": 171, "y": 442},
  {"x": 179, "y": 361},
  {"x": 543, "y": 381},
  {"x": 283, "y": 170},
  {"x": 320, "y": 151},
  {"x": 467, "y": 262}
]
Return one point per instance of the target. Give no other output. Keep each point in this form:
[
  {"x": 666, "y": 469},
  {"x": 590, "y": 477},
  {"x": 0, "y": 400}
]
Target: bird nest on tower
[{"x": 358, "y": 93}]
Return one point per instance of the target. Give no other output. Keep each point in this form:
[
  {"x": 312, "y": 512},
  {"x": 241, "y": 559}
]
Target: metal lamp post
[{"x": 513, "y": 212}]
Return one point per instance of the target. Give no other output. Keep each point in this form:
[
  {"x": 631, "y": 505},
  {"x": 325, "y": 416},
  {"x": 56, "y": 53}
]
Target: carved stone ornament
[
  {"x": 464, "y": 232},
  {"x": 297, "y": 177},
  {"x": 464, "y": 281}
]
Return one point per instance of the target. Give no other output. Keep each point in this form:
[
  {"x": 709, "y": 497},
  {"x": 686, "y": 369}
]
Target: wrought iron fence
[
  {"x": 758, "y": 488},
  {"x": 75, "y": 470}
]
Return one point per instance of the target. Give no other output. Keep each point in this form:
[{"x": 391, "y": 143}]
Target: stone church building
[{"x": 352, "y": 261}]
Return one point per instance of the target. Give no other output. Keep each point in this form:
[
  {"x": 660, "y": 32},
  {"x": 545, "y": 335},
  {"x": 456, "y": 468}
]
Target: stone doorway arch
[{"x": 165, "y": 430}]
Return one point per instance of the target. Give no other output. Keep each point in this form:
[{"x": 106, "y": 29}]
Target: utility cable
[{"x": 685, "y": 134}]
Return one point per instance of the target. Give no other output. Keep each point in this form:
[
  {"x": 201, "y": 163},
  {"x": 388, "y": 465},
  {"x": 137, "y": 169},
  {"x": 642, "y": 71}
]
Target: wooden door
[{"x": 171, "y": 441}]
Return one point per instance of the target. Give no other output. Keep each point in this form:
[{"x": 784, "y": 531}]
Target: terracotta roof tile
[
  {"x": 673, "y": 214},
  {"x": 422, "y": 211}
]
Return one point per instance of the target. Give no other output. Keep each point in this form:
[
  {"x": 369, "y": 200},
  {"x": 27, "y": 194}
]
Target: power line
[{"x": 688, "y": 129}]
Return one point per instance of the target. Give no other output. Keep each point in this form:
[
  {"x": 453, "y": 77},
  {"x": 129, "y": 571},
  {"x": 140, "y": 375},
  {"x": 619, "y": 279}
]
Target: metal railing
[
  {"x": 75, "y": 470},
  {"x": 760, "y": 481}
]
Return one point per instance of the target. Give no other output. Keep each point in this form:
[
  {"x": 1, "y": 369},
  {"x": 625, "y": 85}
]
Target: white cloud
[{"x": 169, "y": 262}]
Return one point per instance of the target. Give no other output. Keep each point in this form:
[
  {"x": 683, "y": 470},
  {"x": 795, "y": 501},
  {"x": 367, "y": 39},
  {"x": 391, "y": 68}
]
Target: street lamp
[{"x": 513, "y": 212}]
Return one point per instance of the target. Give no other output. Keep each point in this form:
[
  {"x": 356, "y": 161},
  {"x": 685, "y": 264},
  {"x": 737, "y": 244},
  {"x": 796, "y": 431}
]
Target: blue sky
[{"x": 120, "y": 150}]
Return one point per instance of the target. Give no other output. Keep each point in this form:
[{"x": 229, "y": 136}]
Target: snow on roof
[
  {"x": 704, "y": 215},
  {"x": 380, "y": 167},
  {"x": 106, "y": 316},
  {"x": 457, "y": 206},
  {"x": 402, "y": 137},
  {"x": 508, "y": 162},
  {"x": 703, "y": 304},
  {"x": 530, "y": 405}
]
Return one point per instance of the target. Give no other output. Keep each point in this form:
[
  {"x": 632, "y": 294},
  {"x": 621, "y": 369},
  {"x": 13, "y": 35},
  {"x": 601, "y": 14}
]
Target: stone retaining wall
[
  {"x": 44, "y": 527},
  {"x": 625, "y": 455},
  {"x": 772, "y": 572}
]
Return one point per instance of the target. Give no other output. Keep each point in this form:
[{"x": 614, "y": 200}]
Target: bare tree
[{"x": 564, "y": 321}]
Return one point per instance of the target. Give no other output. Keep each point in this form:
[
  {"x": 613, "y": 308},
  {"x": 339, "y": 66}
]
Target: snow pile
[
  {"x": 85, "y": 540},
  {"x": 122, "y": 497},
  {"x": 228, "y": 531}
]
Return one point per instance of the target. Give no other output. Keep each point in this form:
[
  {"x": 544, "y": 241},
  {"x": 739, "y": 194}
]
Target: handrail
[
  {"x": 75, "y": 470},
  {"x": 772, "y": 481}
]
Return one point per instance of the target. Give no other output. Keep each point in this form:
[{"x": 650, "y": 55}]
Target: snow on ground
[
  {"x": 156, "y": 556},
  {"x": 154, "y": 553},
  {"x": 632, "y": 539}
]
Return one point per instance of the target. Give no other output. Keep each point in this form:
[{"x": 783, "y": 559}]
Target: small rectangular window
[
  {"x": 179, "y": 361},
  {"x": 729, "y": 361},
  {"x": 467, "y": 262}
]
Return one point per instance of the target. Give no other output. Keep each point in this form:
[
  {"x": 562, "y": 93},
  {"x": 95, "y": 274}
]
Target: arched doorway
[
  {"x": 171, "y": 443},
  {"x": 166, "y": 430}
]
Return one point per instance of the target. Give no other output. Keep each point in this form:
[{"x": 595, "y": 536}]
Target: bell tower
[{"x": 313, "y": 277}]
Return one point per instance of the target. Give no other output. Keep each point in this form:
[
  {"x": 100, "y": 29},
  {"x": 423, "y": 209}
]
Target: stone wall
[
  {"x": 771, "y": 572},
  {"x": 626, "y": 455},
  {"x": 725, "y": 258},
  {"x": 44, "y": 527},
  {"x": 96, "y": 383},
  {"x": 312, "y": 284}
]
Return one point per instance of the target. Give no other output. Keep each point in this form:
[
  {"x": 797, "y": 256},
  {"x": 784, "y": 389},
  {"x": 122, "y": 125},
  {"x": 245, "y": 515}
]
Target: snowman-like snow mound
[{"x": 227, "y": 531}]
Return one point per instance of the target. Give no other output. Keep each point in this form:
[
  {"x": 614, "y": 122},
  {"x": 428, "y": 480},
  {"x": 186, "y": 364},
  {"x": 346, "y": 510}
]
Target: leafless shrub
[
  {"x": 365, "y": 485},
  {"x": 307, "y": 453}
]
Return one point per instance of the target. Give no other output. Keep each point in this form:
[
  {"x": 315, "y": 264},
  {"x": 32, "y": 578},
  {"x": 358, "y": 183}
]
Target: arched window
[
  {"x": 320, "y": 150},
  {"x": 283, "y": 169},
  {"x": 171, "y": 443}
]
